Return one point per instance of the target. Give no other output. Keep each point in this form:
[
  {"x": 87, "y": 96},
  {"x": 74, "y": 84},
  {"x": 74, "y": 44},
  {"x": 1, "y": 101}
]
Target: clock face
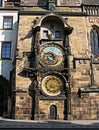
[
  {"x": 52, "y": 85},
  {"x": 51, "y": 55}
]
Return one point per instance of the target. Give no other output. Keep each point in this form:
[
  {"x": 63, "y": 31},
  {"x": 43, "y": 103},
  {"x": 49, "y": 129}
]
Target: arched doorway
[
  {"x": 3, "y": 96},
  {"x": 53, "y": 112}
]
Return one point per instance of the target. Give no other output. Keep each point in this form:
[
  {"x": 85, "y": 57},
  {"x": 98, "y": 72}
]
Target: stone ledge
[{"x": 91, "y": 89}]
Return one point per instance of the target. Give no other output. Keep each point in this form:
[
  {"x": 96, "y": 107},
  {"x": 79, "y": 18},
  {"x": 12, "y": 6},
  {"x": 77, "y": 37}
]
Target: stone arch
[
  {"x": 95, "y": 27},
  {"x": 4, "y": 90},
  {"x": 60, "y": 19}
]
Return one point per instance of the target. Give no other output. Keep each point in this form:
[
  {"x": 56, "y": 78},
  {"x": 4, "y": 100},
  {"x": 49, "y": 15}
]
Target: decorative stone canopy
[{"x": 38, "y": 22}]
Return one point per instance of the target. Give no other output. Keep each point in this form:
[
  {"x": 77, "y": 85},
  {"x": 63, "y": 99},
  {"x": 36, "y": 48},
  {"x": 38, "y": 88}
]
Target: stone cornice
[
  {"x": 10, "y": 9},
  {"x": 46, "y": 12}
]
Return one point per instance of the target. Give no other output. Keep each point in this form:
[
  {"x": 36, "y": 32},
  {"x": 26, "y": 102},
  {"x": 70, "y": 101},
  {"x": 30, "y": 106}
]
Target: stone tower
[{"x": 56, "y": 66}]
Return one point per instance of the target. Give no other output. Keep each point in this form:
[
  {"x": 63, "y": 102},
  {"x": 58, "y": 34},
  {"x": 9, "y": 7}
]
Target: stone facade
[{"x": 80, "y": 93}]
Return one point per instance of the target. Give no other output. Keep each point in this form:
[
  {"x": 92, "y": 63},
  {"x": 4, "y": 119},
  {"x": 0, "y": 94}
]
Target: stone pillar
[{"x": 70, "y": 64}]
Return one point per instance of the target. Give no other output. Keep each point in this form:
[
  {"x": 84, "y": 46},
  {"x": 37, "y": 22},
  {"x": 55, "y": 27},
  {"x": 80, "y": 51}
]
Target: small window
[
  {"x": 6, "y": 50},
  {"x": 45, "y": 33},
  {"x": 0, "y": 3},
  {"x": 57, "y": 34},
  {"x": 94, "y": 37},
  {"x": 8, "y": 22}
]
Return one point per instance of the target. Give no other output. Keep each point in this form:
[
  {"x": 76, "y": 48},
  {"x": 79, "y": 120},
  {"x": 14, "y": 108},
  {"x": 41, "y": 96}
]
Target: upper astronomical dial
[{"x": 51, "y": 55}]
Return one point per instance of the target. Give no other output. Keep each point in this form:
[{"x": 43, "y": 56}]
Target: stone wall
[
  {"x": 44, "y": 106},
  {"x": 24, "y": 45},
  {"x": 84, "y": 107},
  {"x": 23, "y": 109},
  {"x": 23, "y": 106},
  {"x": 91, "y": 21}
]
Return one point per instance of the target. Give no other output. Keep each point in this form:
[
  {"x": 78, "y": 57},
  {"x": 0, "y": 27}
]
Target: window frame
[
  {"x": 11, "y": 24},
  {"x": 9, "y": 50}
]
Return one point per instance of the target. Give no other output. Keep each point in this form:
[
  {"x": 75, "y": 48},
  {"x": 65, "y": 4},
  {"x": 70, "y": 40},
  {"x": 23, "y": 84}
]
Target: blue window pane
[
  {"x": 45, "y": 33},
  {"x": 0, "y": 3},
  {"x": 8, "y": 22},
  {"x": 94, "y": 37},
  {"x": 57, "y": 34},
  {"x": 6, "y": 50}
]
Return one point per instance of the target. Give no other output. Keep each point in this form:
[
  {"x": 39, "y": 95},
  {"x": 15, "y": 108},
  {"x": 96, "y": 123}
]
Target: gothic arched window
[{"x": 94, "y": 37}]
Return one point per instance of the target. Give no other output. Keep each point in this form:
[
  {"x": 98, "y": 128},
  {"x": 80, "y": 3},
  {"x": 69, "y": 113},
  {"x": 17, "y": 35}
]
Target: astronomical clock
[
  {"x": 50, "y": 63},
  {"x": 51, "y": 56}
]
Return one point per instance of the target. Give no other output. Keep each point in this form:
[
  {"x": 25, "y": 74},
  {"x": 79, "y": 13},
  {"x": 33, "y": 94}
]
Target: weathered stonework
[
  {"x": 45, "y": 109},
  {"x": 71, "y": 104},
  {"x": 23, "y": 106},
  {"x": 44, "y": 2}
]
